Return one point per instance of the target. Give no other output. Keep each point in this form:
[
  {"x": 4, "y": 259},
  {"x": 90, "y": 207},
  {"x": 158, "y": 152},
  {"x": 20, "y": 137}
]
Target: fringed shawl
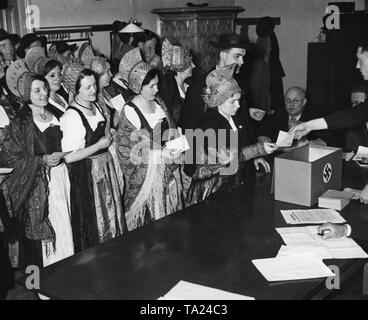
[
  {"x": 148, "y": 176},
  {"x": 28, "y": 184}
]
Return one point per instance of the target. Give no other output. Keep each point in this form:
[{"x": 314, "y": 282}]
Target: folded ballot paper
[
  {"x": 285, "y": 139},
  {"x": 361, "y": 157},
  {"x": 178, "y": 144},
  {"x": 334, "y": 199},
  {"x": 297, "y": 267},
  {"x": 189, "y": 291}
]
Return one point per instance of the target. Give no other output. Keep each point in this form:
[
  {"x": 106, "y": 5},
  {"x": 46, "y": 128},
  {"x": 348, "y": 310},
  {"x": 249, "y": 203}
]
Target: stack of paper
[
  {"x": 362, "y": 157},
  {"x": 298, "y": 267},
  {"x": 334, "y": 199},
  {"x": 312, "y": 216},
  {"x": 189, "y": 291},
  {"x": 307, "y": 237}
]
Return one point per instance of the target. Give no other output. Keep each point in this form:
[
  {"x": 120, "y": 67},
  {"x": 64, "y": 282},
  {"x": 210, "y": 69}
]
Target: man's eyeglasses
[{"x": 294, "y": 101}]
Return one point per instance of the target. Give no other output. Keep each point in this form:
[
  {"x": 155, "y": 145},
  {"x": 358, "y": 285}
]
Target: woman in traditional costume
[
  {"x": 39, "y": 186},
  {"x": 38, "y": 63},
  {"x": 153, "y": 187},
  {"x": 96, "y": 197},
  {"x": 223, "y": 160}
]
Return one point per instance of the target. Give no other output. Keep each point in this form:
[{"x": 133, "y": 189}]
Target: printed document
[{"x": 312, "y": 216}]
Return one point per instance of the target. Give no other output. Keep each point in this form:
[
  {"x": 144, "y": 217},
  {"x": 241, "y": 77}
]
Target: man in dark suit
[
  {"x": 347, "y": 118},
  {"x": 284, "y": 119},
  {"x": 358, "y": 136},
  {"x": 232, "y": 49}
]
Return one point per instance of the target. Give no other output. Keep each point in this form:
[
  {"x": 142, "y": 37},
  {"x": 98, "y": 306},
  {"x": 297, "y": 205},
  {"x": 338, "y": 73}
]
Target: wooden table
[{"x": 210, "y": 244}]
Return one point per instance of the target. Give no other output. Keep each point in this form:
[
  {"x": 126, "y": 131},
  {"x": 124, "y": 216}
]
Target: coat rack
[{"x": 65, "y": 33}]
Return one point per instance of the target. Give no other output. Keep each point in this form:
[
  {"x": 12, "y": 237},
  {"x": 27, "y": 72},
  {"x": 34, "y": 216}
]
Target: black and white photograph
[{"x": 183, "y": 155}]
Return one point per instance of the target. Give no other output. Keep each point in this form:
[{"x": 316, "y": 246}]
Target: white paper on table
[
  {"x": 312, "y": 216},
  {"x": 118, "y": 102},
  {"x": 339, "y": 248},
  {"x": 285, "y": 139},
  {"x": 288, "y": 251},
  {"x": 298, "y": 267},
  {"x": 6, "y": 170},
  {"x": 189, "y": 291},
  {"x": 179, "y": 144}
]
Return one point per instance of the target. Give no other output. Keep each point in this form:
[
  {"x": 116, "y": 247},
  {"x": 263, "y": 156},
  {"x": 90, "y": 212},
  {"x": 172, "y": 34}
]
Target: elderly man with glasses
[{"x": 295, "y": 111}]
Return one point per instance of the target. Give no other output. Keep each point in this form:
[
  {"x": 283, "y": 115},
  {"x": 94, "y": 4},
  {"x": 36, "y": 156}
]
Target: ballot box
[{"x": 303, "y": 175}]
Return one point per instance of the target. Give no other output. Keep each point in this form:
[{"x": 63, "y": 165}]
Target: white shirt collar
[
  {"x": 230, "y": 120},
  {"x": 295, "y": 117},
  {"x": 119, "y": 82}
]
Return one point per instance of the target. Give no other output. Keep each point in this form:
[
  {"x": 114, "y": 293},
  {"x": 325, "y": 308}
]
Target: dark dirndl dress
[{"x": 91, "y": 213}]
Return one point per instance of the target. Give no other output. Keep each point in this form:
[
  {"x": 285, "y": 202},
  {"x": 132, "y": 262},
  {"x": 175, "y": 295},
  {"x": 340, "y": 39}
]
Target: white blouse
[
  {"x": 4, "y": 119},
  {"x": 152, "y": 118},
  {"x": 74, "y": 131},
  {"x": 42, "y": 126}
]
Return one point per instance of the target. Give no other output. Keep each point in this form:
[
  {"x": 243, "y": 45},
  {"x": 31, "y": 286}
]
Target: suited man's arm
[{"x": 348, "y": 118}]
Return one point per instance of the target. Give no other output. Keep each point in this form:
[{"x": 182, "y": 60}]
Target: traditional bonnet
[
  {"x": 39, "y": 68},
  {"x": 85, "y": 55},
  {"x": 19, "y": 80},
  {"x": 133, "y": 70},
  {"x": 220, "y": 86},
  {"x": 33, "y": 57},
  {"x": 70, "y": 75},
  {"x": 175, "y": 58},
  {"x": 99, "y": 65}
]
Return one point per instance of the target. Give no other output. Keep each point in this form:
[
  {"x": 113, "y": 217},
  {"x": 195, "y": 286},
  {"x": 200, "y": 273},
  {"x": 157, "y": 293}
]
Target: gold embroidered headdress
[
  {"x": 175, "y": 58},
  {"x": 70, "y": 75},
  {"x": 34, "y": 56},
  {"x": 19, "y": 80},
  {"x": 220, "y": 86},
  {"x": 133, "y": 70}
]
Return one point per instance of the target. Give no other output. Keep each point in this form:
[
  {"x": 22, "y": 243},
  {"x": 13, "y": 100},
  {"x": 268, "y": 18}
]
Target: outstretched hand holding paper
[{"x": 285, "y": 139}]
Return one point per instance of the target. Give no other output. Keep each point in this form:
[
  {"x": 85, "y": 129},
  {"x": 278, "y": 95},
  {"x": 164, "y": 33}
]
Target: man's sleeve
[{"x": 348, "y": 118}]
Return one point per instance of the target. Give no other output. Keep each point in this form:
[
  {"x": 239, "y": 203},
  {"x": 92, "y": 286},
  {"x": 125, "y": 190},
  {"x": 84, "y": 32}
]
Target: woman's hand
[
  {"x": 270, "y": 147},
  {"x": 223, "y": 156},
  {"x": 52, "y": 160},
  {"x": 170, "y": 155},
  {"x": 104, "y": 142},
  {"x": 262, "y": 162},
  {"x": 364, "y": 195}
]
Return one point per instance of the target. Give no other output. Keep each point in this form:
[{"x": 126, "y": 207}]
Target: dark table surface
[{"x": 210, "y": 244}]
